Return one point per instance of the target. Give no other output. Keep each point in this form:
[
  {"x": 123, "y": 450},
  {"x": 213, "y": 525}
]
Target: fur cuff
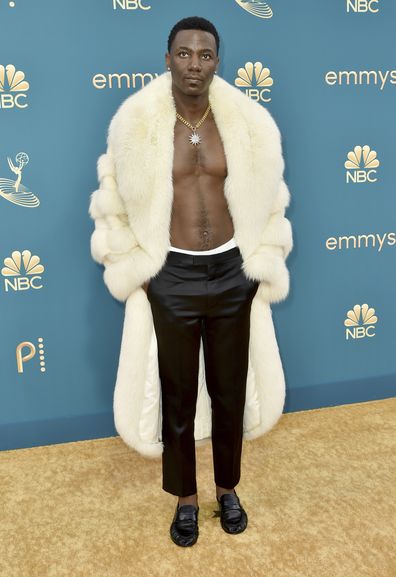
[
  {"x": 122, "y": 278},
  {"x": 268, "y": 266},
  {"x": 119, "y": 279}
]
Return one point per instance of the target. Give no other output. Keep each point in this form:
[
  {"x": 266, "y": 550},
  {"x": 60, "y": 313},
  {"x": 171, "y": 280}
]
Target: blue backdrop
[{"x": 64, "y": 70}]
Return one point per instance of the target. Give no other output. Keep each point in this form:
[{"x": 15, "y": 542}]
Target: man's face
[{"x": 193, "y": 61}]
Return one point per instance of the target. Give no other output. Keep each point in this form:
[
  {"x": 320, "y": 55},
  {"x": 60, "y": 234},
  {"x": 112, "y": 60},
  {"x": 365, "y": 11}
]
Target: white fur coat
[{"x": 132, "y": 211}]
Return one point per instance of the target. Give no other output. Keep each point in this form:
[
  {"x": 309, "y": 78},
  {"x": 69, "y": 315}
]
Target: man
[{"x": 191, "y": 209}]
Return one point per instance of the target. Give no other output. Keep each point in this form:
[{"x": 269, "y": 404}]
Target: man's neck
[{"x": 192, "y": 108}]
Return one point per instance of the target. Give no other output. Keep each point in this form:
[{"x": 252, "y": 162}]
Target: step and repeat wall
[{"x": 325, "y": 72}]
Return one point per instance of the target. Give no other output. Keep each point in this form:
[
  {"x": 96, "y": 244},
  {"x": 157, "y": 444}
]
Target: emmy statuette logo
[
  {"x": 13, "y": 190},
  {"x": 22, "y": 271},
  {"x": 258, "y": 8},
  {"x": 361, "y": 164},
  {"x": 26, "y": 351},
  {"x": 360, "y": 322},
  {"x": 13, "y": 88},
  {"x": 255, "y": 80}
]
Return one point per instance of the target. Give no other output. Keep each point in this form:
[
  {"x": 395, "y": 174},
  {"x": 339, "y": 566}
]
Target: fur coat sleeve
[
  {"x": 113, "y": 243},
  {"x": 268, "y": 262}
]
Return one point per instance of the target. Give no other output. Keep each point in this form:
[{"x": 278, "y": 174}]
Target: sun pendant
[{"x": 195, "y": 138}]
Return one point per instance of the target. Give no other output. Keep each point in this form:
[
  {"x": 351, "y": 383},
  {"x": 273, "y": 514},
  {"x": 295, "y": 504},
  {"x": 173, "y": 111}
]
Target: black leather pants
[{"x": 209, "y": 295}]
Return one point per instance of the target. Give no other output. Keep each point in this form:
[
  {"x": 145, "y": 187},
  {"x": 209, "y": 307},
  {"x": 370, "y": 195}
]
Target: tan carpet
[{"x": 319, "y": 489}]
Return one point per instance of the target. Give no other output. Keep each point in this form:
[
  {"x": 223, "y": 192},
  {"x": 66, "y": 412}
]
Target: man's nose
[{"x": 195, "y": 63}]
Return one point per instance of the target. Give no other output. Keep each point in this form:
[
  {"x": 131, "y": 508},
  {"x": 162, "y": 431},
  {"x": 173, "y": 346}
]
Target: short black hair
[{"x": 194, "y": 23}]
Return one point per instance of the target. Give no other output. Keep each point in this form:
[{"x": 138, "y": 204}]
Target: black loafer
[
  {"x": 184, "y": 528},
  {"x": 233, "y": 517}
]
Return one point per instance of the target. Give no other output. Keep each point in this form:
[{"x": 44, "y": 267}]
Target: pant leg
[
  {"x": 177, "y": 323},
  {"x": 226, "y": 330}
]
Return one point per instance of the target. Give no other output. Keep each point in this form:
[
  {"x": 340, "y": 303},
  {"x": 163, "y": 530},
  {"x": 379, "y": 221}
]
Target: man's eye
[
  {"x": 182, "y": 52},
  {"x": 207, "y": 55}
]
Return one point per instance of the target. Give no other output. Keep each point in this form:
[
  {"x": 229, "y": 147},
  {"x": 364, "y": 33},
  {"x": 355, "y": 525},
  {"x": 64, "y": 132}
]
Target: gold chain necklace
[{"x": 194, "y": 136}]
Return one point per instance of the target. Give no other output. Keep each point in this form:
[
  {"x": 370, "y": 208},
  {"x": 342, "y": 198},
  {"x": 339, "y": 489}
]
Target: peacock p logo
[
  {"x": 13, "y": 88},
  {"x": 361, "y": 164},
  {"x": 256, "y": 81},
  {"x": 26, "y": 350},
  {"x": 256, "y": 7},
  {"x": 360, "y": 322}
]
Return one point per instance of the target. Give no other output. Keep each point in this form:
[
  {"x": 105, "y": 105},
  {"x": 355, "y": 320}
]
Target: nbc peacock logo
[
  {"x": 255, "y": 80},
  {"x": 13, "y": 88},
  {"x": 22, "y": 271},
  {"x": 258, "y": 8},
  {"x": 13, "y": 190},
  {"x": 361, "y": 165},
  {"x": 360, "y": 322}
]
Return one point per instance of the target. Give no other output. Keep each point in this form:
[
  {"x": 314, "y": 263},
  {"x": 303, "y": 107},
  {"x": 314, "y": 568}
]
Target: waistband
[
  {"x": 222, "y": 248},
  {"x": 182, "y": 257}
]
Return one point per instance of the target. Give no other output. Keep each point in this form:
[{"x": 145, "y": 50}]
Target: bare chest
[{"x": 207, "y": 158}]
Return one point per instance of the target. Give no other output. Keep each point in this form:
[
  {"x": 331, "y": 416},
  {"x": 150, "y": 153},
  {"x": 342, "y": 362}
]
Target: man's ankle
[
  {"x": 189, "y": 500},
  {"x": 221, "y": 490}
]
